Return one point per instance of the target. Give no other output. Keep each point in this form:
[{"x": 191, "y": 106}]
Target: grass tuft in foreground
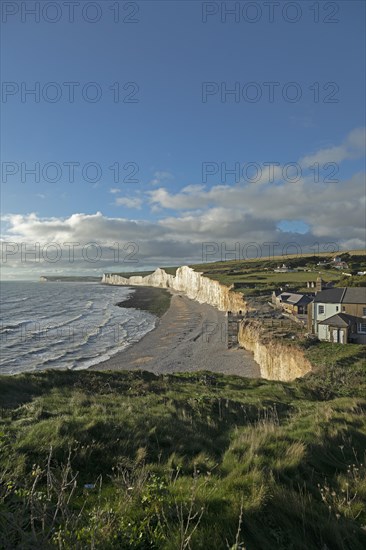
[{"x": 131, "y": 460}]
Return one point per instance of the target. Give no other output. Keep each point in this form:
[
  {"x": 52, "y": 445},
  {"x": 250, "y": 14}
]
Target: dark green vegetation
[
  {"x": 187, "y": 461},
  {"x": 154, "y": 300},
  {"x": 354, "y": 280},
  {"x": 339, "y": 369}
]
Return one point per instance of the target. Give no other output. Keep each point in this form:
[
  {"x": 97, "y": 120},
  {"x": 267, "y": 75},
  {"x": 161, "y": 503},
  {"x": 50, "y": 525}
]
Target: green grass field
[
  {"x": 272, "y": 278},
  {"x": 134, "y": 461},
  {"x": 257, "y": 276}
]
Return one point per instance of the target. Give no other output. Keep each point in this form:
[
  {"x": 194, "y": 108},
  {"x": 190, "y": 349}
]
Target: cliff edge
[
  {"x": 277, "y": 360},
  {"x": 192, "y": 283}
]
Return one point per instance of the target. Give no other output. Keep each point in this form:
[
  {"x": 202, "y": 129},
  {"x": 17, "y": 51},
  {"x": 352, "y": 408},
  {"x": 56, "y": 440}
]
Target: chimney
[{"x": 319, "y": 284}]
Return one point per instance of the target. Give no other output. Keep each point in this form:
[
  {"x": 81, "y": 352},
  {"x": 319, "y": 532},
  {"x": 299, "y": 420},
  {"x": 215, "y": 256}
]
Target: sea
[{"x": 65, "y": 325}]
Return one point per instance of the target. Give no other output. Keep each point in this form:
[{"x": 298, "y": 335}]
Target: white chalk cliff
[
  {"x": 277, "y": 360},
  {"x": 192, "y": 283}
]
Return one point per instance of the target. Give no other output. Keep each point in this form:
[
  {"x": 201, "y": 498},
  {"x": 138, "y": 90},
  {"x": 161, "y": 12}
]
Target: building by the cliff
[
  {"x": 339, "y": 315},
  {"x": 292, "y": 302}
]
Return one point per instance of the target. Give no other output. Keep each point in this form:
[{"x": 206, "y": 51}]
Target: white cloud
[
  {"x": 79, "y": 227},
  {"x": 192, "y": 189},
  {"x": 335, "y": 209},
  {"x": 353, "y": 147},
  {"x": 182, "y": 200},
  {"x": 250, "y": 212},
  {"x": 129, "y": 202},
  {"x": 338, "y": 208},
  {"x": 114, "y": 190}
]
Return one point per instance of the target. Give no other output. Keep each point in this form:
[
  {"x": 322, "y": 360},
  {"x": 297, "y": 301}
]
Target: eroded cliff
[
  {"x": 277, "y": 360},
  {"x": 192, "y": 283}
]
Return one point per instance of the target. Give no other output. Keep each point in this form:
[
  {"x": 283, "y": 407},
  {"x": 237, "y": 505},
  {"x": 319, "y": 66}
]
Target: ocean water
[{"x": 65, "y": 325}]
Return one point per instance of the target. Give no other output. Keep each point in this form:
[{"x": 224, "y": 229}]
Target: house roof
[
  {"x": 356, "y": 295},
  {"x": 330, "y": 296},
  {"x": 348, "y": 295},
  {"x": 340, "y": 320},
  {"x": 294, "y": 298}
]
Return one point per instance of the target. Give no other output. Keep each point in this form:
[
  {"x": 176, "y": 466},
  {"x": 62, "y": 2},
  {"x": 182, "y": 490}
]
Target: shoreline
[
  {"x": 157, "y": 303},
  {"x": 151, "y": 299},
  {"x": 187, "y": 337}
]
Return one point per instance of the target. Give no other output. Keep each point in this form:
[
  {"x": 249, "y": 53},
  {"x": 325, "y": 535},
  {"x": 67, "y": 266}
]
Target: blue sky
[{"x": 169, "y": 132}]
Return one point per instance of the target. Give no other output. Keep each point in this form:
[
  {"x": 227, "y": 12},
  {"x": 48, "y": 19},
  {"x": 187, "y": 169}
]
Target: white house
[{"x": 339, "y": 315}]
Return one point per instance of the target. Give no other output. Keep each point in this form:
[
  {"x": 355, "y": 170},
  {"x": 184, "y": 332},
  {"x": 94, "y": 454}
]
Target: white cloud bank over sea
[{"x": 245, "y": 212}]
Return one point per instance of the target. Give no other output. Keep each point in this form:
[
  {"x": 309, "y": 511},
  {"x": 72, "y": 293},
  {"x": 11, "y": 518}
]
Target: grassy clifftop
[
  {"x": 135, "y": 461},
  {"x": 257, "y": 276}
]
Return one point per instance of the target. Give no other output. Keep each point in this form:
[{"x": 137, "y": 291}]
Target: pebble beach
[{"x": 188, "y": 337}]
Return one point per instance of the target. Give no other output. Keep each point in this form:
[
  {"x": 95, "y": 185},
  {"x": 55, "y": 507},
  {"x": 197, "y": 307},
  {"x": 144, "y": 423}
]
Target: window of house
[
  {"x": 320, "y": 310},
  {"x": 343, "y": 308},
  {"x": 362, "y": 327},
  {"x": 364, "y": 312},
  {"x": 337, "y": 308}
]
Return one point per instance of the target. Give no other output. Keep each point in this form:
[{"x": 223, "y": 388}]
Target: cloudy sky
[{"x": 139, "y": 134}]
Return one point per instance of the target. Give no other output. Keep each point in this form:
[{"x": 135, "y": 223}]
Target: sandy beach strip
[{"x": 188, "y": 337}]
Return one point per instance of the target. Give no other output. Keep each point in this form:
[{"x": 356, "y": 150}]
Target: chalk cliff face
[
  {"x": 277, "y": 361},
  {"x": 190, "y": 282}
]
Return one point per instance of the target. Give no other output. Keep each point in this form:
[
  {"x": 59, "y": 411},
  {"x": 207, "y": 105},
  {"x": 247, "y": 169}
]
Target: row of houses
[{"x": 332, "y": 314}]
